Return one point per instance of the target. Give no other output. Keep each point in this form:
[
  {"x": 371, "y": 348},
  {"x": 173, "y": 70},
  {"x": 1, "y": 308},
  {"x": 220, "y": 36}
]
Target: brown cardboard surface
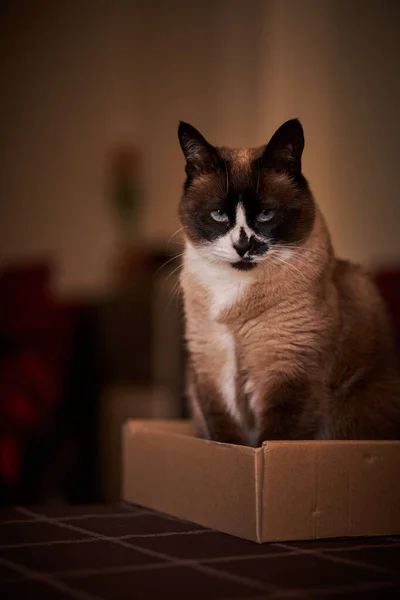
[
  {"x": 211, "y": 484},
  {"x": 330, "y": 489},
  {"x": 177, "y": 426},
  {"x": 282, "y": 491}
]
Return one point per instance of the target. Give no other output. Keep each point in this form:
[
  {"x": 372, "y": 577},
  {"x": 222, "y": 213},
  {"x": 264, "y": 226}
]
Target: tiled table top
[{"x": 124, "y": 552}]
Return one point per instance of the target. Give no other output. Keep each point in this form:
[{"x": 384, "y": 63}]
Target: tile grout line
[
  {"x": 207, "y": 562},
  {"x": 360, "y": 547},
  {"x": 76, "y": 573},
  {"x": 293, "y": 549},
  {"x": 240, "y": 557},
  {"x": 255, "y": 583},
  {"x": 110, "y": 538},
  {"x": 163, "y": 534},
  {"x": 341, "y": 549},
  {"x": 198, "y": 565},
  {"x": 149, "y": 511},
  {"x": 157, "y": 513},
  {"x": 195, "y": 565},
  {"x": 43, "y": 518},
  {"x": 45, "y": 544},
  {"x": 135, "y": 512},
  {"x": 32, "y": 575},
  {"x": 345, "y": 561},
  {"x": 280, "y": 594},
  {"x": 95, "y": 535}
]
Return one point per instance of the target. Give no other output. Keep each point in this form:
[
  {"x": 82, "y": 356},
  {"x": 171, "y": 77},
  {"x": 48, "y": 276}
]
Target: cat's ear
[
  {"x": 285, "y": 148},
  {"x": 200, "y": 156}
]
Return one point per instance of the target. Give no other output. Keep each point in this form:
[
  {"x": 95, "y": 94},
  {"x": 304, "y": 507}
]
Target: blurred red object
[
  {"x": 25, "y": 299},
  {"x": 34, "y": 340}
]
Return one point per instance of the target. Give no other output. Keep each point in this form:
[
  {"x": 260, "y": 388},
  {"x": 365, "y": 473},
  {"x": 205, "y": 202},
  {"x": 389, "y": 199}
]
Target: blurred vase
[{"x": 125, "y": 192}]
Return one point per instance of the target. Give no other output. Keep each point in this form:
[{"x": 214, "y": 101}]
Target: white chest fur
[{"x": 225, "y": 287}]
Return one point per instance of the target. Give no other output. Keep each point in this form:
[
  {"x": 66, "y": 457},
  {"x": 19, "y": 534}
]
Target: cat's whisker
[
  {"x": 299, "y": 251},
  {"x": 290, "y": 265},
  {"x": 304, "y": 260},
  {"x": 299, "y": 257},
  {"x": 176, "y": 291},
  {"x": 173, "y": 272},
  {"x": 273, "y": 262},
  {"x": 167, "y": 263},
  {"x": 178, "y": 287},
  {"x": 172, "y": 237}
]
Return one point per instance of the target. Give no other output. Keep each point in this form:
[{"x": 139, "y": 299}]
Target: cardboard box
[{"x": 282, "y": 491}]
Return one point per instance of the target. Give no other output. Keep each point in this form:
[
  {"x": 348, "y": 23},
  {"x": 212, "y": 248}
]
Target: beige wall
[
  {"x": 199, "y": 66},
  {"x": 365, "y": 210},
  {"x": 334, "y": 64},
  {"x": 80, "y": 76},
  {"x": 67, "y": 95}
]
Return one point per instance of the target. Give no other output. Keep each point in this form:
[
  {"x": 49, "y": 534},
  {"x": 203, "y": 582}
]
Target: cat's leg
[
  {"x": 290, "y": 410},
  {"x": 212, "y": 420}
]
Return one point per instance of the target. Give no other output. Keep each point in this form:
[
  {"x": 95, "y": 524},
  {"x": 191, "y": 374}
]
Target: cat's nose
[
  {"x": 241, "y": 249},
  {"x": 243, "y": 245}
]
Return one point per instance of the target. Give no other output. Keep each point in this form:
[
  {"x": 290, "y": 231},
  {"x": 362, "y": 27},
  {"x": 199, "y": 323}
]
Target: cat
[{"x": 285, "y": 341}]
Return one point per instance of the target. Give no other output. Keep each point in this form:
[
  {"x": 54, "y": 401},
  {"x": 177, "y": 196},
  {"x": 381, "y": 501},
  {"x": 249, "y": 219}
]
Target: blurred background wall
[
  {"x": 79, "y": 77},
  {"x": 88, "y": 305}
]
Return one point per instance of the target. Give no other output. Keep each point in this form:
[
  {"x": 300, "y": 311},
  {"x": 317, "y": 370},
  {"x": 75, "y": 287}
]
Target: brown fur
[{"x": 314, "y": 356}]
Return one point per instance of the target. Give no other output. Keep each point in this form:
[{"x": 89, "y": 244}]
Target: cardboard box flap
[
  {"x": 173, "y": 426},
  {"x": 201, "y": 481},
  {"x": 330, "y": 489}
]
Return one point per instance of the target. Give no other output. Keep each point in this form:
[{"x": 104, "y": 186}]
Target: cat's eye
[
  {"x": 265, "y": 215},
  {"x": 219, "y": 216}
]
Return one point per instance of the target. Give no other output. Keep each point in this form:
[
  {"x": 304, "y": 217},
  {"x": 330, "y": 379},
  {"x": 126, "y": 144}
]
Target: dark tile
[
  {"x": 74, "y": 510},
  {"x": 6, "y": 573},
  {"x": 90, "y": 555},
  {"x": 378, "y": 593},
  {"x": 35, "y": 531},
  {"x": 137, "y": 525},
  {"x": 301, "y": 571},
  {"x": 10, "y": 514},
  {"x": 340, "y": 543},
  {"x": 158, "y": 513},
  {"x": 178, "y": 582},
  {"x": 28, "y": 590},
  {"x": 205, "y": 545},
  {"x": 386, "y": 558}
]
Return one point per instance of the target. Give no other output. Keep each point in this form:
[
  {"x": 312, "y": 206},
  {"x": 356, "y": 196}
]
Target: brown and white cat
[{"x": 285, "y": 341}]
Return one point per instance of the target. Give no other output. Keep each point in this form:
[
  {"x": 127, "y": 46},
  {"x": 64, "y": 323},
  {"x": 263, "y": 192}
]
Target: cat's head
[{"x": 245, "y": 206}]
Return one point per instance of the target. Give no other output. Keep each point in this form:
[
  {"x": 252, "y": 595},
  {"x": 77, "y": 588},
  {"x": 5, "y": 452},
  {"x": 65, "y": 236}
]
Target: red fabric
[
  {"x": 27, "y": 389},
  {"x": 36, "y": 335},
  {"x": 25, "y": 299}
]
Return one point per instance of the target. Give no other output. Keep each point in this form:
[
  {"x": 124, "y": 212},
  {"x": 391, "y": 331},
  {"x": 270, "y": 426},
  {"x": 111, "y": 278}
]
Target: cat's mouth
[{"x": 245, "y": 264}]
